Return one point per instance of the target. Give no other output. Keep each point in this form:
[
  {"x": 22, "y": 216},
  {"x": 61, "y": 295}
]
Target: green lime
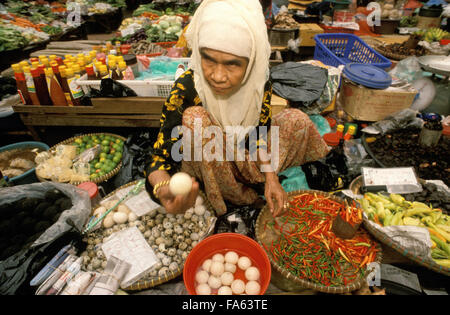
[
  {"x": 110, "y": 156},
  {"x": 119, "y": 141},
  {"x": 78, "y": 140},
  {"x": 103, "y": 155},
  {"x": 105, "y": 142},
  {"x": 88, "y": 146},
  {"x": 98, "y": 165},
  {"x": 102, "y": 159},
  {"x": 101, "y": 173},
  {"x": 96, "y": 141},
  {"x": 94, "y": 175},
  {"x": 119, "y": 154},
  {"x": 116, "y": 159},
  {"x": 86, "y": 139}
]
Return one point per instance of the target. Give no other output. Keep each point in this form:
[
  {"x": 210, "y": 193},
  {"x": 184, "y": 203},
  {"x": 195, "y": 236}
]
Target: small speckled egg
[{"x": 244, "y": 262}]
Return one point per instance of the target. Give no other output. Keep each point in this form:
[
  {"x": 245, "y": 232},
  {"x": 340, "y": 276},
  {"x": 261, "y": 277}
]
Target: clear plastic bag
[{"x": 402, "y": 119}]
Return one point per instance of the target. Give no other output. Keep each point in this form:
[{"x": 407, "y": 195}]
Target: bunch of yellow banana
[
  {"x": 434, "y": 34},
  {"x": 395, "y": 210}
]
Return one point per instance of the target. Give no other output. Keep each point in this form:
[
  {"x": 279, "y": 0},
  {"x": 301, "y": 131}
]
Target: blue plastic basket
[
  {"x": 335, "y": 49},
  {"x": 29, "y": 176}
]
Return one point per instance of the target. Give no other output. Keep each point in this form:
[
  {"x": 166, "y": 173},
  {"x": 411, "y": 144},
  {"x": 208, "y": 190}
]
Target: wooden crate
[
  {"x": 307, "y": 32},
  {"x": 105, "y": 112}
]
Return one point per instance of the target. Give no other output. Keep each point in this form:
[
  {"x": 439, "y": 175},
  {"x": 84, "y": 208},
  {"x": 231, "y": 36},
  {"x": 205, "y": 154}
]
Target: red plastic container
[
  {"x": 331, "y": 121},
  {"x": 332, "y": 139},
  {"x": 221, "y": 243}
]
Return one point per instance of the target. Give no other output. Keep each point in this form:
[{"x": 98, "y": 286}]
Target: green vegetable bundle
[{"x": 11, "y": 39}]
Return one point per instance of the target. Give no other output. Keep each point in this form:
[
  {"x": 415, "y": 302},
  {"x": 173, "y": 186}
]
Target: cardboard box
[
  {"x": 367, "y": 104},
  {"x": 307, "y": 32}
]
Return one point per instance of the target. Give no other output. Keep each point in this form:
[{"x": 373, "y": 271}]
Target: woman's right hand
[{"x": 178, "y": 204}]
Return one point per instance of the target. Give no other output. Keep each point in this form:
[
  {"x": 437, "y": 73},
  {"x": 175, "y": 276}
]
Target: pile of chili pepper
[{"x": 309, "y": 249}]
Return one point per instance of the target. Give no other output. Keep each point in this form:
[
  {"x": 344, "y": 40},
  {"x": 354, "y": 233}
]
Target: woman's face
[{"x": 224, "y": 72}]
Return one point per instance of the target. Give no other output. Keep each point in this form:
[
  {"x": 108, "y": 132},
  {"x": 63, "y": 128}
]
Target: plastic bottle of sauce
[
  {"x": 52, "y": 58},
  {"x": 24, "y": 63},
  {"x": 113, "y": 70},
  {"x": 340, "y": 131},
  {"x": 90, "y": 72},
  {"x": 104, "y": 74},
  {"x": 60, "y": 61},
  {"x": 21, "y": 83},
  {"x": 118, "y": 44},
  {"x": 122, "y": 68},
  {"x": 97, "y": 69},
  {"x": 55, "y": 90},
  {"x": 87, "y": 60},
  {"x": 43, "y": 77},
  {"x": 75, "y": 89},
  {"x": 34, "y": 59},
  {"x": 45, "y": 62},
  {"x": 30, "y": 86},
  {"x": 65, "y": 86},
  {"x": 77, "y": 71},
  {"x": 56, "y": 73},
  {"x": 41, "y": 87},
  {"x": 350, "y": 133}
]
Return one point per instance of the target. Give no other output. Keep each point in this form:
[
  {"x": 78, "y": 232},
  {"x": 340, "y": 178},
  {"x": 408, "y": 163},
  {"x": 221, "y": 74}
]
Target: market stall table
[{"x": 105, "y": 112}]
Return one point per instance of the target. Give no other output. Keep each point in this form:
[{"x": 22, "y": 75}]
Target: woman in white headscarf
[{"x": 227, "y": 89}]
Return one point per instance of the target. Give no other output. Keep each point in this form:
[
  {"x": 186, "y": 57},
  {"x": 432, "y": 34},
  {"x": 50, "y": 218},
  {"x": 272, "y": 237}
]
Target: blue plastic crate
[{"x": 335, "y": 49}]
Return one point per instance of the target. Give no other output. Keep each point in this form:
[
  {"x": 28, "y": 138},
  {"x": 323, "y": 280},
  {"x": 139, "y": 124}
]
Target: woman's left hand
[{"x": 274, "y": 191}]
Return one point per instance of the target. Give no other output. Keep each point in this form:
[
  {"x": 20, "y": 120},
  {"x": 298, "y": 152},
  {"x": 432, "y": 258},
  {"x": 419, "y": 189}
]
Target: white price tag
[
  {"x": 397, "y": 179},
  {"x": 130, "y": 246}
]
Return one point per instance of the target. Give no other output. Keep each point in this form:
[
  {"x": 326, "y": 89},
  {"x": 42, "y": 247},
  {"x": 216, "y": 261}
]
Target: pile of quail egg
[{"x": 170, "y": 236}]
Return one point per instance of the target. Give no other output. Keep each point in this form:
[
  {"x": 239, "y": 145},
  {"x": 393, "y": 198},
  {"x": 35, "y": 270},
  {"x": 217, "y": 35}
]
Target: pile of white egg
[
  {"x": 217, "y": 275},
  {"x": 121, "y": 214}
]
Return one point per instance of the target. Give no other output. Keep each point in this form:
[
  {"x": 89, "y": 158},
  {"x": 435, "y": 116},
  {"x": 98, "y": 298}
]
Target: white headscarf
[{"x": 236, "y": 27}]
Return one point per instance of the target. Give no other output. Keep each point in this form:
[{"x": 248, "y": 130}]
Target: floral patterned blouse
[{"x": 182, "y": 96}]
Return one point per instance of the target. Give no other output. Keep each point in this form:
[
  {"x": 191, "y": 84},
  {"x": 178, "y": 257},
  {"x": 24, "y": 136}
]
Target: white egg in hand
[
  {"x": 203, "y": 289},
  {"x": 218, "y": 257},
  {"x": 230, "y": 267},
  {"x": 252, "y": 273},
  {"x": 225, "y": 290},
  {"x": 202, "y": 277},
  {"x": 217, "y": 268},
  {"x": 252, "y": 288},
  {"x": 180, "y": 184},
  {"x": 214, "y": 282},
  {"x": 227, "y": 278},
  {"x": 207, "y": 265},
  {"x": 244, "y": 262},
  {"x": 231, "y": 257},
  {"x": 238, "y": 286}
]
